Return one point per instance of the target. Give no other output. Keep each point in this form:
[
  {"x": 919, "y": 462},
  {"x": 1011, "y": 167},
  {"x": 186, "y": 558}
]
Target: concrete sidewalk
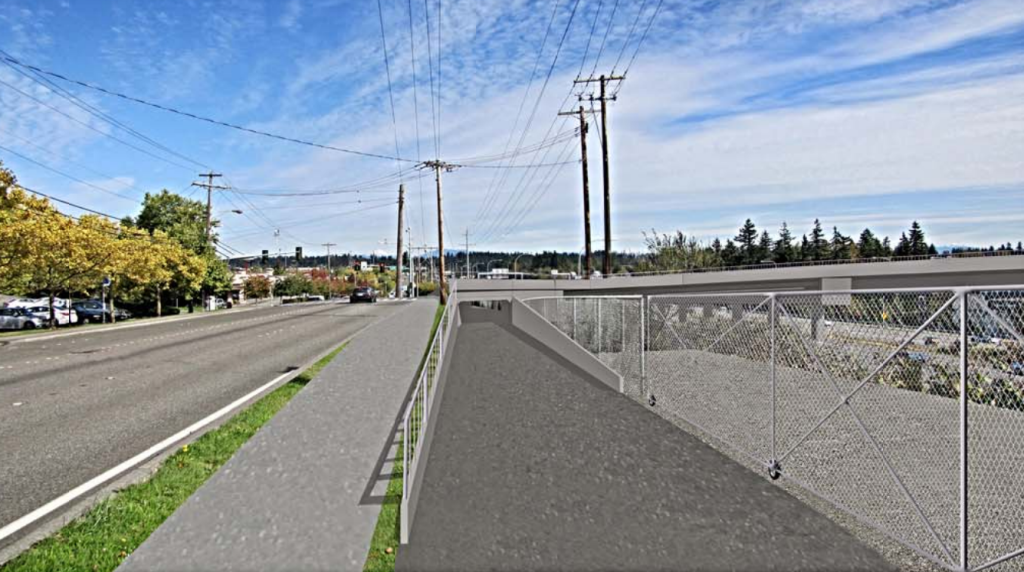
[
  {"x": 535, "y": 466},
  {"x": 299, "y": 494}
]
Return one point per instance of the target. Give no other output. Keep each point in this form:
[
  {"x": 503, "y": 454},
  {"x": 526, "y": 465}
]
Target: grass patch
[
  {"x": 100, "y": 539},
  {"x": 386, "y": 533}
]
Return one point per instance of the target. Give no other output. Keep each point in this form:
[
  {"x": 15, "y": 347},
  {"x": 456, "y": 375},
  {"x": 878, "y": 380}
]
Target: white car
[
  {"x": 25, "y": 302},
  {"x": 63, "y": 316}
]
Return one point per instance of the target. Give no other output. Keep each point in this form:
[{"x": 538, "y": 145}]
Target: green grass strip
[
  {"x": 385, "y": 541},
  {"x": 100, "y": 539}
]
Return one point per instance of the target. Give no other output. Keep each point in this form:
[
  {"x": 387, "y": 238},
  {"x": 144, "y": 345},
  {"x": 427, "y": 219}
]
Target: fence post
[
  {"x": 598, "y": 326},
  {"x": 963, "y": 427},
  {"x": 772, "y": 330},
  {"x": 622, "y": 327},
  {"x": 643, "y": 347}
]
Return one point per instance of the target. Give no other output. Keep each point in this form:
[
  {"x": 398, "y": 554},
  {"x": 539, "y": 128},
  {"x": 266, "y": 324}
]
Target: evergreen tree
[
  {"x": 839, "y": 249},
  {"x": 818, "y": 246},
  {"x": 868, "y": 245},
  {"x": 746, "y": 239},
  {"x": 886, "y": 247},
  {"x": 1020, "y": 246},
  {"x": 902, "y": 247},
  {"x": 731, "y": 255},
  {"x": 917, "y": 245},
  {"x": 805, "y": 249},
  {"x": 764, "y": 248},
  {"x": 783, "y": 251},
  {"x": 716, "y": 249}
]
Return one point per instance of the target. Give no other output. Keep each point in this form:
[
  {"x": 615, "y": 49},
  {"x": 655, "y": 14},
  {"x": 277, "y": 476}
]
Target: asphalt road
[{"x": 73, "y": 407}]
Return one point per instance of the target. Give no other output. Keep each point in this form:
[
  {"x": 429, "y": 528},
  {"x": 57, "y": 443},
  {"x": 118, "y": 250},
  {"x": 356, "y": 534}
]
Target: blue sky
[{"x": 858, "y": 112}]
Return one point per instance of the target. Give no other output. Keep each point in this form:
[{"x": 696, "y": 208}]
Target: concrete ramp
[{"x": 537, "y": 465}]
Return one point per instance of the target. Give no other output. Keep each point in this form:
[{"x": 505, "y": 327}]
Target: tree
[
  {"x": 783, "y": 249},
  {"x": 746, "y": 239},
  {"x": 902, "y": 247},
  {"x": 731, "y": 255},
  {"x": 868, "y": 245},
  {"x": 817, "y": 245},
  {"x": 916, "y": 243},
  {"x": 764, "y": 248},
  {"x": 181, "y": 218},
  {"x": 257, "y": 286},
  {"x": 805, "y": 249},
  {"x": 839, "y": 249}
]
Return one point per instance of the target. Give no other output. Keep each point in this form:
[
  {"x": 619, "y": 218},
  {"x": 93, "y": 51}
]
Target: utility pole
[
  {"x": 438, "y": 166},
  {"x": 329, "y": 245},
  {"x": 412, "y": 263},
  {"x": 209, "y": 186},
  {"x": 604, "y": 99},
  {"x": 398, "y": 257},
  {"x": 586, "y": 188}
]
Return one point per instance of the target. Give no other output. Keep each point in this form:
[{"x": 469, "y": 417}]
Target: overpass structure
[{"x": 939, "y": 272}]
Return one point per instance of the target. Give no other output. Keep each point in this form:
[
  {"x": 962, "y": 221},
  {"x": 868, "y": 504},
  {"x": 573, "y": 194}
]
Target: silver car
[{"x": 19, "y": 319}]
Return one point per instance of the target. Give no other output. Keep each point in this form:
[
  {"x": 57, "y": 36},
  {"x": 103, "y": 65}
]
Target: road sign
[{"x": 106, "y": 281}]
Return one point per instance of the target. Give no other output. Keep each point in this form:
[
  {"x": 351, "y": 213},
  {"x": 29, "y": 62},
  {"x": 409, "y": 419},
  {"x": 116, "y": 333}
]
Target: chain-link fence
[
  {"x": 854, "y": 396},
  {"x": 611, "y": 328}
]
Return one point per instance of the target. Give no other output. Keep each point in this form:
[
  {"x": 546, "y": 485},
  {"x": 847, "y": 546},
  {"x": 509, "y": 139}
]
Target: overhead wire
[
  {"x": 391, "y": 95},
  {"x": 639, "y": 44},
  {"x": 67, "y": 176},
  {"x": 629, "y": 36},
  {"x": 198, "y": 117},
  {"x": 416, "y": 119}
]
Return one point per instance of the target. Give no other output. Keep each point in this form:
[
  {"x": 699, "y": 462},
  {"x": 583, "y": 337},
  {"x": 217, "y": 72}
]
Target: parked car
[
  {"x": 219, "y": 303},
  {"x": 19, "y": 319},
  {"x": 1017, "y": 368},
  {"x": 26, "y": 302},
  {"x": 363, "y": 295},
  {"x": 95, "y": 311},
  {"x": 62, "y": 316}
]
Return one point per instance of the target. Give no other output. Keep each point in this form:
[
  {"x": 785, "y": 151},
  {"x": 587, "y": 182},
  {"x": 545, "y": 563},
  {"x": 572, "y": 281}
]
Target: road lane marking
[{"x": 131, "y": 463}]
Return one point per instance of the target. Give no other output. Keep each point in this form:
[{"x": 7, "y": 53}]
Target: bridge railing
[
  {"x": 419, "y": 413},
  {"x": 854, "y": 396}
]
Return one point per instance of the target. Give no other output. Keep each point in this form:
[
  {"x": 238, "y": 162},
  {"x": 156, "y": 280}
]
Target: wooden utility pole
[
  {"x": 438, "y": 166},
  {"x": 467, "y": 253},
  {"x": 209, "y": 186},
  {"x": 604, "y": 99},
  {"x": 586, "y": 188},
  {"x": 329, "y": 245},
  {"x": 398, "y": 257}
]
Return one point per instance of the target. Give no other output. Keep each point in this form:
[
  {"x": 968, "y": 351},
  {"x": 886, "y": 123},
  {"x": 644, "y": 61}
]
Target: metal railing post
[
  {"x": 964, "y": 374},
  {"x": 598, "y": 326},
  {"x": 622, "y": 330},
  {"x": 772, "y": 329},
  {"x": 643, "y": 347}
]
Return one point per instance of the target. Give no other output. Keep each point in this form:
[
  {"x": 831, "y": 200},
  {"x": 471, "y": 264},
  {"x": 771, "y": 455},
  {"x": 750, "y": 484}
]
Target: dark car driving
[{"x": 363, "y": 295}]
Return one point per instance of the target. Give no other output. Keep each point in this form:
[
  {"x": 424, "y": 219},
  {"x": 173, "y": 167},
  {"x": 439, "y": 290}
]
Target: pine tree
[
  {"x": 916, "y": 243},
  {"x": 764, "y": 248},
  {"x": 902, "y": 247},
  {"x": 731, "y": 255},
  {"x": 716, "y": 249},
  {"x": 818, "y": 245},
  {"x": 746, "y": 239},
  {"x": 868, "y": 245},
  {"x": 1020, "y": 246},
  {"x": 886, "y": 247},
  {"x": 839, "y": 249},
  {"x": 805, "y": 248},
  {"x": 783, "y": 251}
]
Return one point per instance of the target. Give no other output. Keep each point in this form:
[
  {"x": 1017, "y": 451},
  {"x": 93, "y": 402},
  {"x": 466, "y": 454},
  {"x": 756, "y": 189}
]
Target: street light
[{"x": 515, "y": 263}]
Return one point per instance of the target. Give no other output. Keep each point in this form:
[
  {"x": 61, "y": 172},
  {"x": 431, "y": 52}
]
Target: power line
[
  {"x": 77, "y": 102},
  {"x": 416, "y": 117},
  {"x": 391, "y": 95},
  {"x": 629, "y": 36},
  {"x": 71, "y": 177},
  {"x": 91, "y": 128},
  {"x": 639, "y": 44},
  {"x": 430, "y": 61},
  {"x": 76, "y": 163},
  {"x": 199, "y": 117}
]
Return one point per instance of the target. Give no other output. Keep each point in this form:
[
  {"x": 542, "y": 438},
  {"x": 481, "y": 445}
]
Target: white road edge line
[{"x": 98, "y": 480}]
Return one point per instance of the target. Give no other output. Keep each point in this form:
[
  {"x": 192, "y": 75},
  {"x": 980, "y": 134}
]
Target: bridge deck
[{"x": 535, "y": 467}]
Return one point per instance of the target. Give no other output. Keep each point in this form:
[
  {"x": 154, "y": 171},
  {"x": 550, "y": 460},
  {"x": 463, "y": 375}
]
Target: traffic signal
[
  {"x": 265, "y": 258},
  {"x": 298, "y": 253}
]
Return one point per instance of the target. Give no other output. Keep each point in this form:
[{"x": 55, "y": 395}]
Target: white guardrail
[
  {"x": 419, "y": 408},
  {"x": 854, "y": 396}
]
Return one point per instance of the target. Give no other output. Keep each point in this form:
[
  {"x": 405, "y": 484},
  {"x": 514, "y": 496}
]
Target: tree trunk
[
  {"x": 110, "y": 293},
  {"x": 53, "y": 321},
  {"x": 159, "y": 302}
]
